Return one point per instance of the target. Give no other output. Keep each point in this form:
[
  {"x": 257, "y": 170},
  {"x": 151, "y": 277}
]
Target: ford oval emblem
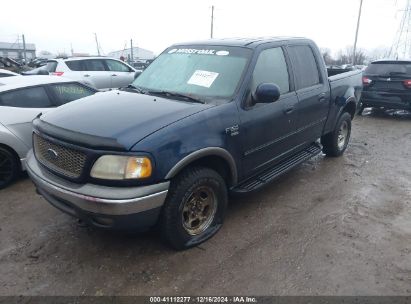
[{"x": 52, "y": 153}]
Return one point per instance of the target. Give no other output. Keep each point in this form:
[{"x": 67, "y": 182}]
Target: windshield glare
[{"x": 196, "y": 71}]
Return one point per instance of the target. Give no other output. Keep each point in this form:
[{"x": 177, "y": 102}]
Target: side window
[
  {"x": 117, "y": 66},
  {"x": 76, "y": 65},
  {"x": 95, "y": 65},
  {"x": 67, "y": 92},
  {"x": 271, "y": 67},
  {"x": 305, "y": 66},
  {"x": 35, "y": 97}
]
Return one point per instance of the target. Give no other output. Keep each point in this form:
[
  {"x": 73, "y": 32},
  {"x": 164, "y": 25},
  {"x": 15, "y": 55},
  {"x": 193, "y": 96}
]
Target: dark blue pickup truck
[{"x": 204, "y": 120}]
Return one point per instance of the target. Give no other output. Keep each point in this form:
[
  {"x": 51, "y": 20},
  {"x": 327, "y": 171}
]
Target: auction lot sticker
[{"x": 203, "y": 78}]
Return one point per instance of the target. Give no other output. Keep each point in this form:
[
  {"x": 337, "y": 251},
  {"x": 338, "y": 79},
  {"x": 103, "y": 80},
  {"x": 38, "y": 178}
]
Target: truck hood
[{"x": 120, "y": 117}]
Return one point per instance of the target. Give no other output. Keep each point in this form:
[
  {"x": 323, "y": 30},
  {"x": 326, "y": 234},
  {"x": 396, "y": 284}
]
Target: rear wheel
[
  {"x": 9, "y": 167},
  {"x": 195, "y": 207},
  {"x": 335, "y": 143}
]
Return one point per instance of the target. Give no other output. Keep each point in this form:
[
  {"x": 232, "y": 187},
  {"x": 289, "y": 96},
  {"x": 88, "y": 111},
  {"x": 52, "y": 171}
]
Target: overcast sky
[{"x": 154, "y": 24}]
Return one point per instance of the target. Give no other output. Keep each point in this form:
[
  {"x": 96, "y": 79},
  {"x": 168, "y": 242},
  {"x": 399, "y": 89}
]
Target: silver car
[
  {"x": 97, "y": 72},
  {"x": 21, "y": 100}
]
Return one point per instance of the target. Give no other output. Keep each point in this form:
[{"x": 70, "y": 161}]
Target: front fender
[{"x": 209, "y": 151}]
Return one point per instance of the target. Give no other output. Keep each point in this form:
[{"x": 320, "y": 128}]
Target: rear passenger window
[
  {"x": 67, "y": 92},
  {"x": 305, "y": 66},
  {"x": 271, "y": 67},
  {"x": 26, "y": 98},
  {"x": 95, "y": 65},
  {"x": 76, "y": 65}
]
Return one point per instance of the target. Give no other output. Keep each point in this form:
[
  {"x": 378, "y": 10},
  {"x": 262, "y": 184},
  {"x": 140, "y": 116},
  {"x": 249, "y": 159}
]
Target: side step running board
[{"x": 270, "y": 174}]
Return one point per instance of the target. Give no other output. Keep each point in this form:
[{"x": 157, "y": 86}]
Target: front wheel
[
  {"x": 335, "y": 143},
  {"x": 195, "y": 207}
]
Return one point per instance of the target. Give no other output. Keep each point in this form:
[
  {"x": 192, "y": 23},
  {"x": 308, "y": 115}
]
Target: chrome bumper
[{"x": 95, "y": 198}]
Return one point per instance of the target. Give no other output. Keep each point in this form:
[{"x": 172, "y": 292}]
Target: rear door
[
  {"x": 267, "y": 130},
  {"x": 19, "y": 107},
  {"x": 312, "y": 90},
  {"x": 121, "y": 74},
  {"x": 96, "y": 73}
]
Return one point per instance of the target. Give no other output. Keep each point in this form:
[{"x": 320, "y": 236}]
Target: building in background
[
  {"x": 16, "y": 51},
  {"x": 139, "y": 54}
]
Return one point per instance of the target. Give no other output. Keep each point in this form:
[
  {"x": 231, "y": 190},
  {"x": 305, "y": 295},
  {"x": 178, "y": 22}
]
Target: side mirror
[
  {"x": 136, "y": 74},
  {"x": 266, "y": 93}
]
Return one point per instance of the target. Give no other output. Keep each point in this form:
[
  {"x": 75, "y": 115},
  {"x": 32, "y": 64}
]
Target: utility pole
[
  {"x": 131, "y": 51},
  {"x": 71, "y": 46},
  {"x": 212, "y": 21},
  {"x": 98, "y": 48},
  {"x": 24, "y": 50},
  {"x": 356, "y": 34}
]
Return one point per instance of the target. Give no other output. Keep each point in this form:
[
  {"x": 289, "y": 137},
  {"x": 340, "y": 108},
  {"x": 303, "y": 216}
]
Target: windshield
[
  {"x": 388, "y": 68},
  {"x": 200, "y": 71}
]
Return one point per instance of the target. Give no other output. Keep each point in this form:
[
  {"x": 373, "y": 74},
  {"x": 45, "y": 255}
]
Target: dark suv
[{"x": 387, "y": 83}]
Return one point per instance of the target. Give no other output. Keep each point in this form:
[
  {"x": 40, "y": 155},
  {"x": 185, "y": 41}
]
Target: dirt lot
[{"x": 330, "y": 227}]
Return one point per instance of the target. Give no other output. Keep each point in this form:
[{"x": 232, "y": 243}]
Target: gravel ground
[{"x": 329, "y": 227}]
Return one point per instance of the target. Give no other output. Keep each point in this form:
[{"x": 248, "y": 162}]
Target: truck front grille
[{"x": 66, "y": 161}]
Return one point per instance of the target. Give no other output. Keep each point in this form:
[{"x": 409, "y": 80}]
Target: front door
[{"x": 267, "y": 130}]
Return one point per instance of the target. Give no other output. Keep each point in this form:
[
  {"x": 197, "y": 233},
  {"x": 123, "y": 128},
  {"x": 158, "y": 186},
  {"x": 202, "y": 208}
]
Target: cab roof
[
  {"x": 17, "y": 82},
  {"x": 242, "y": 42}
]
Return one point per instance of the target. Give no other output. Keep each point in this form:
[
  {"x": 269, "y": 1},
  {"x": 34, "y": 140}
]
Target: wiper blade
[
  {"x": 134, "y": 88},
  {"x": 175, "y": 94}
]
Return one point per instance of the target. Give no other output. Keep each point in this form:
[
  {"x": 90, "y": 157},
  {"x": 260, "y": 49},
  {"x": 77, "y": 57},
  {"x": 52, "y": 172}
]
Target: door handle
[
  {"x": 321, "y": 97},
  {"x": 86, "y": 75},
  {"x": 114, "y": 75},
  {"x": 289, "y": 110}
]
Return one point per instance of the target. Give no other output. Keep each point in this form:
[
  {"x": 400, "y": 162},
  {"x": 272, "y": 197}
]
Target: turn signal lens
[{"x": 138, "y": 167}]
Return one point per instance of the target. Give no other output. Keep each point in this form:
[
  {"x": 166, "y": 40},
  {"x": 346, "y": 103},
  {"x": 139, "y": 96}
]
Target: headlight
[{"x": 116, "y": 167}]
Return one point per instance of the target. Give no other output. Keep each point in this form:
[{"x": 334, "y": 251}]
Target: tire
[
  {"x": 194, "y": 209},
  {"x": 335, "y": 143},
  {"x": 9, "y": 167}
]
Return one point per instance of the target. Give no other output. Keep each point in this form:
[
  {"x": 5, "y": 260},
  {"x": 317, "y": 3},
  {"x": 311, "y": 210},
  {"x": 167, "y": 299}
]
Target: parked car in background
[
  {"x": 97, "y": 72},
  {"x": 7, "y": 73},
  {"x": 204, "y": 119},
  {"x": 21, "y": 100},
  {"x": 387, "y": 84}
]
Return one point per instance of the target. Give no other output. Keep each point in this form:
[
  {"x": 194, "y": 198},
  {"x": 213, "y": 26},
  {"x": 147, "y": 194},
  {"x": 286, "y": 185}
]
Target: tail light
[
  {"x": 57, "y": 73},
  {"x": 407, "y": 83},
  {"x": 366, "y": 81}
]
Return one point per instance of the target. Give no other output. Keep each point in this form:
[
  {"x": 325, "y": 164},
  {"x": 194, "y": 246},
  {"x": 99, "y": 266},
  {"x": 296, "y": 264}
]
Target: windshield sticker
[
  {"x": 192, "y": 51},
  {"x": 222, "y": 53},
  {"x": 203, "y": 78}
]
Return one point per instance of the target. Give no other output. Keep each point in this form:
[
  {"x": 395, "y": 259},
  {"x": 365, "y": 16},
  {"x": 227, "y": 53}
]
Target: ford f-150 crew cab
[{"x": 204, "y": 120}]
